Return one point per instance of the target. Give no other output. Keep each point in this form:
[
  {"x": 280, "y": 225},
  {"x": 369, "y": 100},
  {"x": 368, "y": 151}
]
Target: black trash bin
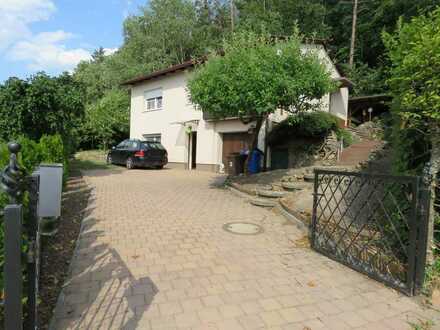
[{"x": 235, "y": 165}]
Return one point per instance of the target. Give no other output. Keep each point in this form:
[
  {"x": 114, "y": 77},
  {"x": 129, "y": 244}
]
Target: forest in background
[{"x": 167, "y": 32}]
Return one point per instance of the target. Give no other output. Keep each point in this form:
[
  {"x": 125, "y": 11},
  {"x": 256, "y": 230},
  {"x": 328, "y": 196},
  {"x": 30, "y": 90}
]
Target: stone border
[
  {"x": 286, "y": 212},
  {"x": 251, "y": 193},
  {"x": 61, "y": 297},
  {"x": 271, "y": 193},
  {"x": 293, "y": 217}
]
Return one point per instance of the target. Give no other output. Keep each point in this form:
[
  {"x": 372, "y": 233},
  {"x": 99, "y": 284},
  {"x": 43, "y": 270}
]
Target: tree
[
  {"x": 258, "y": 75},
  {"x": 107, "y": 121},
  {"x": 40, "y": 105},
  {"x": 414, "y": 51},
  {"x": 282, "y": 17}
]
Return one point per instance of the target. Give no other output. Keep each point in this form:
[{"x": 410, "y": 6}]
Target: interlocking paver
[{"x": 153, "y": 255}]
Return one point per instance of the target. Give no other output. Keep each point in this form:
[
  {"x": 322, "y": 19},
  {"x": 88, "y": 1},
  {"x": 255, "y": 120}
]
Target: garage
[{"x": 234, "y": 143}]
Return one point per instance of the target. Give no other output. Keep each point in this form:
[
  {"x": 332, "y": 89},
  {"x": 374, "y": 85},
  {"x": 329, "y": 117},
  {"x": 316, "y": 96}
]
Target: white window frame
[
  {"x": 156, "y": 137},
  {"x": 153, "y": 100}
]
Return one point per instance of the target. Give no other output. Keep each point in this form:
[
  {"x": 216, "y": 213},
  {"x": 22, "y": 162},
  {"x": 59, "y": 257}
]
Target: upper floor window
[{"x": 153, "y": 99}]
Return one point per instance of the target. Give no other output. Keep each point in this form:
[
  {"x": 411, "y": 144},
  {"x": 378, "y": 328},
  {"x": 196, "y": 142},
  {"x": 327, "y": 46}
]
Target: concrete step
[
  {"x": 293, "y": 186},
  {"x": 264, "y": 202},
  {"x": 271, "y": 193}
]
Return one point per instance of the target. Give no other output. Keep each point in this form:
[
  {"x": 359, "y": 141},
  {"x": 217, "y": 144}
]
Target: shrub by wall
[
  {"x": 316, "y": 124},
  {"x": 49, "y": 149}
]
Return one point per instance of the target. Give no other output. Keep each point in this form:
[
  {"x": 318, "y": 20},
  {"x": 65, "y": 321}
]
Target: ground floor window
[{"x": 153, "y": 137}]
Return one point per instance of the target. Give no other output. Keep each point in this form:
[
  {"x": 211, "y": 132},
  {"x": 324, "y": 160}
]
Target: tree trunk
[
  {"x": 434, "y": 170},
  {"x": 353, "y": 33},
  {"x": 259, "y": 123}
]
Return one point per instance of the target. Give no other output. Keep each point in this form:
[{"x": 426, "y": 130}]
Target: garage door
[{"x": 233, "y": 143}]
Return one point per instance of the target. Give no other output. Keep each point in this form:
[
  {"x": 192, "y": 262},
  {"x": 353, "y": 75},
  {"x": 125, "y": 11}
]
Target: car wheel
[
  {"x": 129, "y": 163},
  {"x": 109, "y": 159},
  {"x": 159, "y": 167}
]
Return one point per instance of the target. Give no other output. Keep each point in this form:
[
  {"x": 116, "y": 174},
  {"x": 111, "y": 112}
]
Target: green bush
[
  {"x": 345, "y": 136},
  {"x": 49, "y": 149},
  {"x": 306, "y": 125}
]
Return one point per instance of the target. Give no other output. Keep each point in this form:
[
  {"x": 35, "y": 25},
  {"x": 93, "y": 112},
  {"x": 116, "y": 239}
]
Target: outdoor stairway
[
  {"x": 268, "y": 197},
  {"x": 357, "y": 153}
]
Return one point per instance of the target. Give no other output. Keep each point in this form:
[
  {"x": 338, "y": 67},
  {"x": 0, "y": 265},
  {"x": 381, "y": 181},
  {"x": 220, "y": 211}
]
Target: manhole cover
[{"x": 243, "y": 228}]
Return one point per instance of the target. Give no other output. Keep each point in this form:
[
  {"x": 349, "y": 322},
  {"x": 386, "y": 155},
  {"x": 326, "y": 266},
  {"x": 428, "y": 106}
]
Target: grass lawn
[{"x": 91, "y": 160}]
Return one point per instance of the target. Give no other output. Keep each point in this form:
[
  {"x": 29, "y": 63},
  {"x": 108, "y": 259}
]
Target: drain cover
[{"x": 243, "y": 228}]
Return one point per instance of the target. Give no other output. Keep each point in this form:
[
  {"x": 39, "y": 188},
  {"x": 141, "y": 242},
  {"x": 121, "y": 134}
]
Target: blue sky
[{"x": 54, "y": 35}]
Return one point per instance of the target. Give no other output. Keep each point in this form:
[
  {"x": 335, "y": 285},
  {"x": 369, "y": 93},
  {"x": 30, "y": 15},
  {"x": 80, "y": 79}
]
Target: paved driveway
[{"x": 153, "y": 255}]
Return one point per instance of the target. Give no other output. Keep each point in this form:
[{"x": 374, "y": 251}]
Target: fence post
[
  {"x": 423, "y": 248},
  {"x": 12, "y": 268},
  {"x": 11, "y": 182}
]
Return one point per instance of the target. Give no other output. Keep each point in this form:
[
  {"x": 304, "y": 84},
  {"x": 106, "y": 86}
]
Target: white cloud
[
  {"x": 16, "y": 15},
  {"x": 110, "y": 51},
  {"x": 46, "y": 51},
  {"x": 49, "y": 51}
]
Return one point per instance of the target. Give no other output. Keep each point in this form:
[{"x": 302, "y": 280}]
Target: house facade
[{"x": 161, "y": 111}]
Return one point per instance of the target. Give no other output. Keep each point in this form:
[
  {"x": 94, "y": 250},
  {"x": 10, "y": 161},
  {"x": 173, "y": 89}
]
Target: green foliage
[
  {"x": 258, "y": 75},
  {"x": 374, "y": 16},
  {"x": 367, "y": 80},
  {"x": 40, "y": 105},
  {"x": 414, "y": 52},
  {"x": 48, "y": 150},
  {"x": 283, "y": 17},
  {"x": 345, "y": 136},
  {"x": 307, "y": 125},
  {"x": 107, "y": 121}
]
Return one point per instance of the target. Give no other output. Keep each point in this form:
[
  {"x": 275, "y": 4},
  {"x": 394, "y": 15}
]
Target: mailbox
[{"x": 51, "y": 185}]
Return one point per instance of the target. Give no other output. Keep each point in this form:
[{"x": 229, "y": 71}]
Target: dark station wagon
[{"x": 137, "y": 153}]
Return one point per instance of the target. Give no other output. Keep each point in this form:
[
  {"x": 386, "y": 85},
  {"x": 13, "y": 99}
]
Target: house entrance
[{"x": 192, "y": 151}]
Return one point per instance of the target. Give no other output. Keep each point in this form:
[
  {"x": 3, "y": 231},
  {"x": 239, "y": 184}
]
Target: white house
[{"x": 161, "y": 110}]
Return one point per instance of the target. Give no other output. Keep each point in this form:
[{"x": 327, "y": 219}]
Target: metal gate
[{"x": 375, "y": 224}]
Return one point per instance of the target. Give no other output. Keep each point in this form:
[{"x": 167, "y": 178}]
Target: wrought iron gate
[{"x": 375, "y": 224}]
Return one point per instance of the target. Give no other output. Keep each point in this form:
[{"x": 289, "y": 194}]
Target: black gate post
[
  {"x": 423, "y": 229},
  {"x": 12, "y": 184},
  {"x": 315, "y": 206},
  {"x": 12, "y": 268}
]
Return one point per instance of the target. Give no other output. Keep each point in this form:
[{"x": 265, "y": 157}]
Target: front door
[{"x": 193, "y": 150}]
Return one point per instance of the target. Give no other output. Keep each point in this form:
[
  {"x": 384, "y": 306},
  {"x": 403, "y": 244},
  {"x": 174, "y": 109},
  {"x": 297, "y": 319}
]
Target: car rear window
[{"x": 152, "y": 145}]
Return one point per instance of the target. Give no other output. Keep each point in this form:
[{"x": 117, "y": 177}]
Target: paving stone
[{"x": 153, "y": 255}]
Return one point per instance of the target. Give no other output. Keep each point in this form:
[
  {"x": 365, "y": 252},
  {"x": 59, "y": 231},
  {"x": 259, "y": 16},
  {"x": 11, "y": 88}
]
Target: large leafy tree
[
  {"x": 257, "y": 75},
  {"x": 414, "y": 51},
  {"x": 164, "y": 33},
  {"x": 283, "y": 17},
  {"x": 40, "y": 105},
  {"x": 106, "y": 121}
]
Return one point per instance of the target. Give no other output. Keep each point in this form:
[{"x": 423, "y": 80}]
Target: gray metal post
[
  {"x": 12, "y": 268},
  {"x": 11, "y": 182}
]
